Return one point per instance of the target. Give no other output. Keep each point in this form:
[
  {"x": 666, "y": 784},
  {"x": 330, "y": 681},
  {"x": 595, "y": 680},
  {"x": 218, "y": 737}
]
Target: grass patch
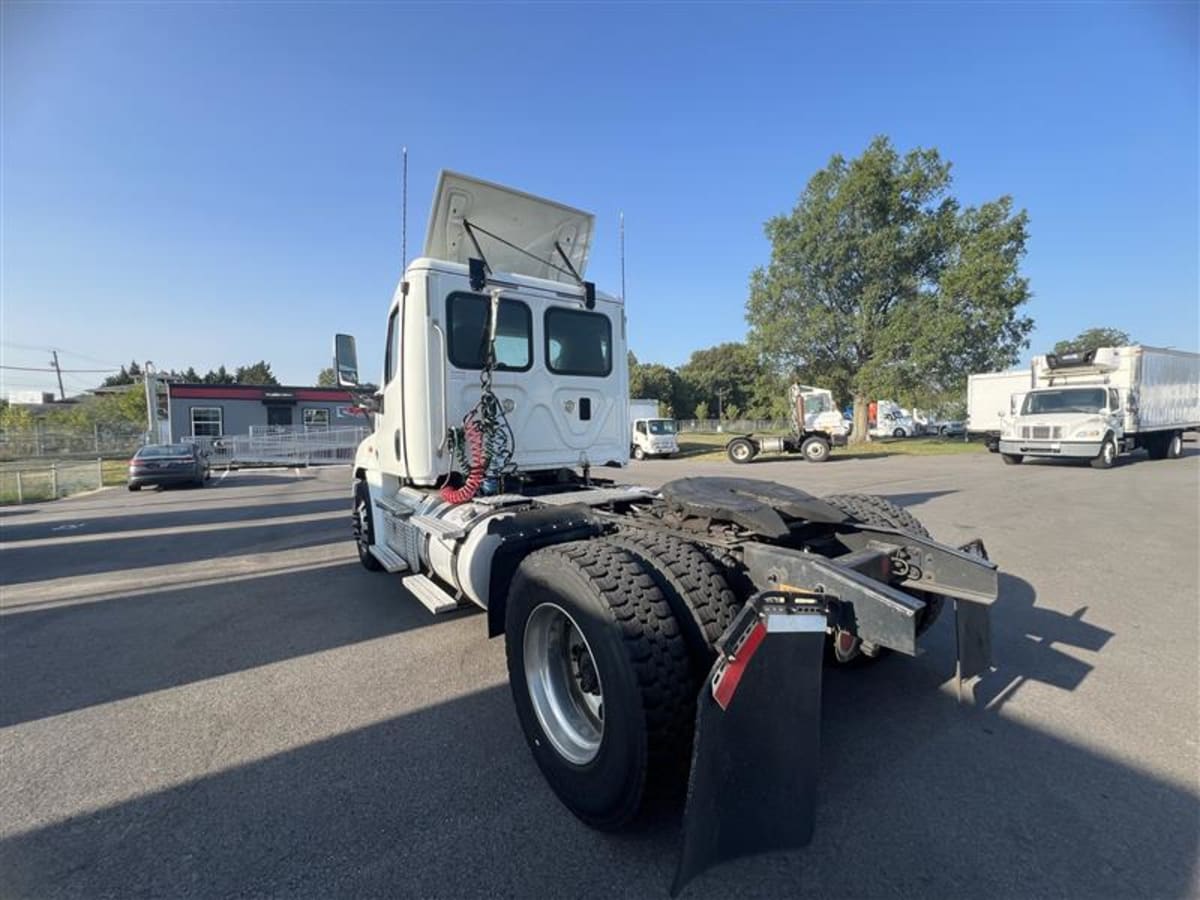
[
  {"x": 711, "y": 446},
  {"x": 75, "y": 476}
]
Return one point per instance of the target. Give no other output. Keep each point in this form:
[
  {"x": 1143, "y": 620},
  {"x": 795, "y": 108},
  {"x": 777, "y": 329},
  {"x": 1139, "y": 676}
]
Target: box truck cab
[
  {"x": 1099, "y": 403},
  {"x": 650, "y": 434}
]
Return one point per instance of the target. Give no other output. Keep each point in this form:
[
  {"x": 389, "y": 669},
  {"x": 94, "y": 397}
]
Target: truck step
[
  {"x": 436, "y": 527},
  {"x": 392, "y": 562},
  {"x": 431, "y": 595}
]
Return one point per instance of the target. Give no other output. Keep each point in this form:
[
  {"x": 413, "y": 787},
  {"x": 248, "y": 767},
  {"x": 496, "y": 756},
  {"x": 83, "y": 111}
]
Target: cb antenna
[
  {"x": 403, "y": 211},
  {"x": 622, "y": 256}
]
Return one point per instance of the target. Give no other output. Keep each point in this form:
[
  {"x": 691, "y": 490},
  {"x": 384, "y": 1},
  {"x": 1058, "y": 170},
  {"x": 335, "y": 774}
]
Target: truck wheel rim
[
  {"x": 360, "y": 525},
  {"x": 1176, "y": 446},
  {"x": 564, "y": 684},
  {"x": 740, "y": 451},
  {"x": 816, "y": 451},
  {"x": 1108, "y": 452}
]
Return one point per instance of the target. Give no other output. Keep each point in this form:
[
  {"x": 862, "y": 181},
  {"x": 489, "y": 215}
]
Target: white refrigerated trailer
[{"x": 1097, "y": 404}]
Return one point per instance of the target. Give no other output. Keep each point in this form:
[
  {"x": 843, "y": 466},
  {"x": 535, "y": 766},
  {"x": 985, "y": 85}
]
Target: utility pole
[
  {"x": 62, "y": 395},
  {"x": 622, "y": 256},
  {"x": 151, "y": 403}
]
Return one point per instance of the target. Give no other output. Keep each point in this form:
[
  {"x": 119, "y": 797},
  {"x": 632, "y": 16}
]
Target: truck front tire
[
  {"x": 600, "y": 678},
  {"x": 815, "y": 449},
  {"x": 1107, "y": 455},
  {"x": 1012, "y": 459},
  {"x": 639, "y": 453},
  {"x": 364, "y": 528}
]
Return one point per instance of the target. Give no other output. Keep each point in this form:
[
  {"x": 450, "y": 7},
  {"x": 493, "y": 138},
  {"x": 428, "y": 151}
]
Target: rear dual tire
[
  {"x": 1165, "y": 446},
  {"x": 600, "y": 678}
]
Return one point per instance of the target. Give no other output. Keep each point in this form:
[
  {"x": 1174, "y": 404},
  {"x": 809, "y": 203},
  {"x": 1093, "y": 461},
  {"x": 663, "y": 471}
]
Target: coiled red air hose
[{"x": 470, "y": 488}]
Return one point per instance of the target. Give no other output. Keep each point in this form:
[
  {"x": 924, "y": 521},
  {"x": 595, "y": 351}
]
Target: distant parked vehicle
[
  {"x": 992, "y": 399},
  {"x": 163, "y": 464},
  {"x": 948, "y": 428},
  {"x": 652, "y": 435},
  {"x": 1095, "y": 404}
]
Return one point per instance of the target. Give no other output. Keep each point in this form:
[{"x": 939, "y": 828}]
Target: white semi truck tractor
[
  {"x": 1097, "y": 404},
  {"x": 656, "y": 640},
  {"x": 817, "y": 427}
]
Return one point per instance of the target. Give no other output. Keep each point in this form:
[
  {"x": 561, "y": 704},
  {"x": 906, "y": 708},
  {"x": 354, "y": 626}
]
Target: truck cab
[{"x": 653, "y": 437}]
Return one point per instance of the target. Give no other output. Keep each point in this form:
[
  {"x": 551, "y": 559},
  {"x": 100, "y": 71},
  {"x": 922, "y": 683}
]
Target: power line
[
  {"x": 53, "y": 369},
  {"x": 103, "y": 362}
]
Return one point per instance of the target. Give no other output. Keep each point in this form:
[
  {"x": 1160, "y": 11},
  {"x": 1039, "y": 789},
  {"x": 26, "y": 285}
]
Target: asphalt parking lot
[{"x": 203, "y": 694}]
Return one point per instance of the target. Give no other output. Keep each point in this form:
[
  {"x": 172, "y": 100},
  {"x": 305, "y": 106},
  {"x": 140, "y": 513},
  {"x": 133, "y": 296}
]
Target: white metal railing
[{"x": 284, "y": 447}]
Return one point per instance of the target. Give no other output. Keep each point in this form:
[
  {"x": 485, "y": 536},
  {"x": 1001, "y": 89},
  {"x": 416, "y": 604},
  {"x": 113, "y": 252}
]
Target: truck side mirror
[{"x": 345, "y": 360}]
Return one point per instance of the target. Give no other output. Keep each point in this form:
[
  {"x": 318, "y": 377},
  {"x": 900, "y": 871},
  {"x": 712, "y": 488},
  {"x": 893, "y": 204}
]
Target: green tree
[
  {"x": 1093, "y": 338},
  {"x": 701, "y": 410},
  {"x": 881, "y": 285},
  {"x": 190, "y": 375},
  {"x": 219, "y": 376},
  {"x": 122, "y": 377},
  {"x": 326, "y": 378},
  {"x": 652, "y": 381},
  {"x": 258, "y": 373},
  {"x": 721, "y": 376},
  {"x": 15, "y": 418}
]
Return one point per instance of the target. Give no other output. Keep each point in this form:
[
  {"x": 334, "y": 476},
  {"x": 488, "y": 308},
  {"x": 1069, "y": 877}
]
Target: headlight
[{"x": 1088, "y": 433}]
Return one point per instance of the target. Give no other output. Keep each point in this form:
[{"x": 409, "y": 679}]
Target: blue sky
[{"x": 218, "y": 183}]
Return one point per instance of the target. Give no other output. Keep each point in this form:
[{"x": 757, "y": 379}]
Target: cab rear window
[
  {"x": 467, "y": 316},
  {"x": 578, "y": 342}
]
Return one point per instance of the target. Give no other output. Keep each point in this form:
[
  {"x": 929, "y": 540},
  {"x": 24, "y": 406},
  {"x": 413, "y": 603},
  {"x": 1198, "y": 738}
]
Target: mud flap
[{"x": 756, "y": 748}]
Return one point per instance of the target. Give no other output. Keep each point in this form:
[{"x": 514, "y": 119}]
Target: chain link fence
[
  {"x": 733, "y": 426},
  {"x": 32, "y": 481},
  {"x": 99, "y": 440}
]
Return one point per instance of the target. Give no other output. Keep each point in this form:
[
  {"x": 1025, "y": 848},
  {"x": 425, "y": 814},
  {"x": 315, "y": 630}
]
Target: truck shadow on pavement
[
  {"x": 1033, "y": 640},
  {"x": 74, "y": 656},
  {"x": 136, "y": 520},
  {"x": 25, "y": 564},
  {"x": 919, "y": 797}
]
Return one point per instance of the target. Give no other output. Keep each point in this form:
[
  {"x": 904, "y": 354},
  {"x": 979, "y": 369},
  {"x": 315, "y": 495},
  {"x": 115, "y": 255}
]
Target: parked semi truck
[
  {"x": 885, "y": 418},
  {"x": 1097, "y": 404},
  {"x": 992, "y": 399},
  {"x": 650, "y": 434},
  {"x": 817, "y": 427},
  {"x": 659, "y": 639}
]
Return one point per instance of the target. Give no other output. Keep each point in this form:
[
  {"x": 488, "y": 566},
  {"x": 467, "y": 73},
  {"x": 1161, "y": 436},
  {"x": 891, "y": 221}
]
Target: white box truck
[
  {"x": 992, "y": 398},
  {"x": 650, "y": 434},
  {"x": 1098, "y": 403}
]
